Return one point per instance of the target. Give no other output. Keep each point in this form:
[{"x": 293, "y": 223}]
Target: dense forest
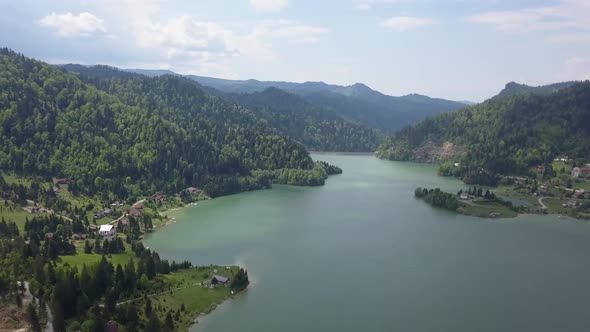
[
  {"x": 318, "y": 129},
  {"x": 513, "y": 88},
  {"x": 502, "y": 135},
  {"x": 108, "y": 130},
  {"x": 355, "y": 103}
]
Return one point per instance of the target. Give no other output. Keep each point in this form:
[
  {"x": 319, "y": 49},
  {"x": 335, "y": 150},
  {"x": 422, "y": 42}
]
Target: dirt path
[{"x": 541, "y": 202}]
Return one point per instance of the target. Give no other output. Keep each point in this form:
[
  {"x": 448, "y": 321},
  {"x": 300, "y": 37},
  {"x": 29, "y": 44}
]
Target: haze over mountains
[{"x": 356, "y": 103}]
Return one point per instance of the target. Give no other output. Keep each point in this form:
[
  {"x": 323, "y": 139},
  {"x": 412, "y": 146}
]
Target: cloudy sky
[{"x": 456, "y": 49}]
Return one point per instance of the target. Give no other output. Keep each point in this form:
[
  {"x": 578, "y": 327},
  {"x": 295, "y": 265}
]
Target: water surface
[{"x": 361, "y": 254}]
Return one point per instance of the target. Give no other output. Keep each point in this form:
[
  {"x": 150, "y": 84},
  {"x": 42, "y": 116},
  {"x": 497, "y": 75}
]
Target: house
[
  {"x": 193, "y": 190},
  {"x": 116, "y": 204},
  {"x": 62, "y": 181},
  {"x": 134, "y": 212},
  {"x": 464, "y": 196},
  {"x": 107, "y": 211},
  {"x": 570, "y": 204},
  {"x": 78, "y": 236},
  {"x": 220, "y": 280},
  {"x": 138, "y": 206},
  {"x": 49, "y": 235},
  {"x": 124, "y": 222},
  {"x": 579, "y": 193},
  {"x": 99, "y": 214},
  {"x": 578, "y": 172},
  {"x": 107, "y": 231},
  {"x": 159, "y": 197}
]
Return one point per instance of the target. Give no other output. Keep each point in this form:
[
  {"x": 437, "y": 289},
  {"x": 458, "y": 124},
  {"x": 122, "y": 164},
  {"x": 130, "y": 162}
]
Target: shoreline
[{"x": 342, "y": 153}]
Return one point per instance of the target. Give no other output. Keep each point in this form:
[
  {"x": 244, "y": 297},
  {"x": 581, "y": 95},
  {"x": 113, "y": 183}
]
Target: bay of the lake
[{"x": 362, "y": 254}]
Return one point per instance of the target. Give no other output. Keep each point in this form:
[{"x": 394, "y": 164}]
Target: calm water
[{"x": 361, "y": 254}]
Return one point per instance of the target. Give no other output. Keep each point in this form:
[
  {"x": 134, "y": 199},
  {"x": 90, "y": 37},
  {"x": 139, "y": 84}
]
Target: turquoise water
[{"x": 361, "y": 254}]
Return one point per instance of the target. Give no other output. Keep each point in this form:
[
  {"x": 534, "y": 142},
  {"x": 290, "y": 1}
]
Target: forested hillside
[
  {"x": 500, "y": 136},
  {"x": 513, "y": 88},
  {"x": 318, "y": 129},
  {"x": 107, "y": 130},
  {"x": 356, "y": 103}
]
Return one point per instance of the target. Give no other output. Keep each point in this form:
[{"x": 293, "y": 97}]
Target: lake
[{"x": 361, "y": 254}]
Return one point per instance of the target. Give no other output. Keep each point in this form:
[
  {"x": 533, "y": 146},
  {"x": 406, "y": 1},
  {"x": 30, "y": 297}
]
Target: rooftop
[{"x": 106, "y": 228}]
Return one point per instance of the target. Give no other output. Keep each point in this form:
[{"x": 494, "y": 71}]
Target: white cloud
[
  {"x": 70, "y": 25},
  {"x": 269, "y": 5},
  {"x": 364, "y": 6},
  {"x": 404, "y": 23},
  {"x": 566, "y": 21},
  {"x": 574, "y": 69},
  {"x": 190, "y": 45}
]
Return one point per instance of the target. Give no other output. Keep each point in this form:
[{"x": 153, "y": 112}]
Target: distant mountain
[
  {"x": 503, "y": 135},
  {"x": 317, "y": 128},
  {"x": 513, "y": 88},
  {"x": 357, "y": 103},
  {"x": 152, "y": 72}
]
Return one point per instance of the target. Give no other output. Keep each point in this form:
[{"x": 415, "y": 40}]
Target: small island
[{"x": 473, "y": 202}]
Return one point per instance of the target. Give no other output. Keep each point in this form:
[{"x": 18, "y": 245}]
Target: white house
[{"x": 107, "y": 231}]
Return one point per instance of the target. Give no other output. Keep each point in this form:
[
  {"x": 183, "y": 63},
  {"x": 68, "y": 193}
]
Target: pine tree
[
  {"x": 87, "y": 247},
  {"x": 148, "y": 307},
  {"x": 169, "y": 322},
  {"x": 153, "y": 324},
  {"x": 33, "y": 318}
]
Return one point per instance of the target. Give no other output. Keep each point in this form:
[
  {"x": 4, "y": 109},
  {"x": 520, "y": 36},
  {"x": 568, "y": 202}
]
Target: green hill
[
  {"x": 504, "y": 135},
  {"x": 355, "y": 103},
  {"x": 318, "y": 129},
  {"x": 130, "y": 134}
]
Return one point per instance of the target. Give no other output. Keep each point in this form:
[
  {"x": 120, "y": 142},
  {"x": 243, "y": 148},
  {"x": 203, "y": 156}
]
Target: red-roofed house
[
  {"x": 159, "y": 197},
  {"x": 62, "y": 181},
  {"x": 134, "y": 212},
  {"x": 138, "y": 206},
  {"x": 578, "y": 172}
]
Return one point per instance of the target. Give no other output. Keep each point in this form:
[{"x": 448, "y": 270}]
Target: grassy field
[
  {"x": 80, "y": 258},
  {"x": 484, "y": 208},
  {"x": 15, "y": 213},
  {"x": 554, "y": 205},
  {"x": 581, "y": 185},
  {"x": 196, "y": 298}
]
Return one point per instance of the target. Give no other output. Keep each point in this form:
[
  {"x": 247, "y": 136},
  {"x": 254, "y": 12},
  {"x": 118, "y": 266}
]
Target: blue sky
[{"x": 456, "y": 49}]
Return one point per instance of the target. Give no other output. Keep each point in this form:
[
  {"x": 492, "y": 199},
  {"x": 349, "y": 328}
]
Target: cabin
[
  {"x": 62, "y": 181},
  {"x": 107, "y": 231},
  {"x": 579, "y": 172},
  {"x": 579, "y": 193},
  {"x": 219, "y": 280},
  {"x": 138, "y": 206},
  {"x": 193, "y": 190},
  {"x": 78, "y": 236},
  {"x": 159, "y": 197},
  {"x": 464, "y": 196},
  {"x": 134, "y": 212},
  {"x": 99, "y": 215}
]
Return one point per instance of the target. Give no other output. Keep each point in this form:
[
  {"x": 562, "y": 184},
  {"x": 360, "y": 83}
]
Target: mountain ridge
[{"x": 357, "y": 103}]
